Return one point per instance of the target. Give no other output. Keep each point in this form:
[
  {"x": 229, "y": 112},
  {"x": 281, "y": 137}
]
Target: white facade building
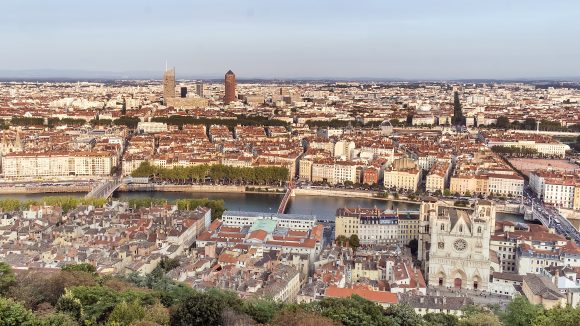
[
  {"x": 292, "y": 221},
  {"x": 26, "y": 165}
]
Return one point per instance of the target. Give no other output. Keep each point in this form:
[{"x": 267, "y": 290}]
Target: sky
[{"x": 412, "y": 39}]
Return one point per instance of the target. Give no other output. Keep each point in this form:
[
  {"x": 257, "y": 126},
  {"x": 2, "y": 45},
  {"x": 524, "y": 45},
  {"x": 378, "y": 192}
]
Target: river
[{"x": 323, "y": 207}]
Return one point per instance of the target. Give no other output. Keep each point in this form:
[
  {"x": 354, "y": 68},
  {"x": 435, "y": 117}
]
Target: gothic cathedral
[{"x": 454, "y": 244}]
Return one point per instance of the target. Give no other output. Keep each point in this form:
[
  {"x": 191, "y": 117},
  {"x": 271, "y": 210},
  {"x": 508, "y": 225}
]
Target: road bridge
[
  {"x": 289, "y": 193},
  {"x": 105, "y": 189},
  {"x": 555, "y": 221},
  {"x": 549, "y": 133}
]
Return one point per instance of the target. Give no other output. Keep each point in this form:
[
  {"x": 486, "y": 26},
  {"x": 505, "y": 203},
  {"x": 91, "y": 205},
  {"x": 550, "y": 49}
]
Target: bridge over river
[{"x": 105, "y": 189}]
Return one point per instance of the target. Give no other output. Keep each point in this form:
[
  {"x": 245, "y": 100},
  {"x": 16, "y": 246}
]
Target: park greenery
[
  {"x": 76, "y": 295},
  {"x": 129, "y": 122},
  {"x": 65, "y": 202},
  {"x": 576, "y": 144},
  {"x": 504, "y": 122},
  {"x": 217, "y": 206},
  {"x": 218, "y": 173},
  {"x": 70, "y": 202},
  {"x": 179, "y": 120},
  {"x": 50, "y": 122},
  {"x": 517, "y": 151},
  {"x": 353, "y": 241}
]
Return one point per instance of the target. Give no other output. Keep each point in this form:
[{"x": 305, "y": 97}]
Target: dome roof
[{"x": 425, "y": 107}]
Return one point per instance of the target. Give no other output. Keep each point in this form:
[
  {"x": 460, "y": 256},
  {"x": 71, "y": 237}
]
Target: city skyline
[{"x": 324, "y": 40}]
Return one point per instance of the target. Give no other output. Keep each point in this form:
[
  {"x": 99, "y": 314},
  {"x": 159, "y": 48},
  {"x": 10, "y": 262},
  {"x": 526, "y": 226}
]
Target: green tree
[
  {"x": 529, "y": 124},
  {"x": 98, "y": 301},
  {"x": 26, "y": 121},
  {"x": 558, "y": 316},
  {"x": 7, "y": 278},
  {"x": 440, "y": 319},
  {"x": 354, "y": 241},
  {"x": 403, "y": 315},
  {"x": 9, "y": 205},
  {"x": 503, "y": 122},
  {"x": 14, "y": 314},
  {"x": 353, "y": 311},
  {"x": 83, "y": 267},
  {"x": 35, "y": 287},
  {"x": 126, "y": 313},
  {"x": 341, "y": 240},
  {"x": 261, "y": 310},
  {"x": 480, "y": 319},
  {"x": 158, "y": 314},
  {"x": 520, "y": 312},
  {"x": 478, "y": 316},
  {"x": 303, "y": 318},
  {"x": 168, "y": 264},
  {"x": 70, "y": 305},
  {"x": 198, "y": 310},
  {"x": 130, "y": 122},
  {"x": 59, "y": 319}
]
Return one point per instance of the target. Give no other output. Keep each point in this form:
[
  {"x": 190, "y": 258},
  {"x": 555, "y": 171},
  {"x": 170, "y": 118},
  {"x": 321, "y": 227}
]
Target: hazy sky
[{"x": 297, "y": 38}]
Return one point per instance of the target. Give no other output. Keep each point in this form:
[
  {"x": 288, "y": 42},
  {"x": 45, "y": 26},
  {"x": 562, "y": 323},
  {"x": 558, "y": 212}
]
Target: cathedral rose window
[{"x": 460, "y": 244}]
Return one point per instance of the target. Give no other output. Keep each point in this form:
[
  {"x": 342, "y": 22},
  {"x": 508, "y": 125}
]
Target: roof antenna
[{"x": 165, "y": 64}]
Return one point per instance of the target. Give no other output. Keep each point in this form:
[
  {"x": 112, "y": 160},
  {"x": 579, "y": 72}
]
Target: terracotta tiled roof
[{"x": 375, "y": 296}]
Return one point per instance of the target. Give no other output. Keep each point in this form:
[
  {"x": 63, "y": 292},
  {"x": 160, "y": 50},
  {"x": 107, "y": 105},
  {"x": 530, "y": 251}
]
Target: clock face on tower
[{"x": 460, "y": 244}]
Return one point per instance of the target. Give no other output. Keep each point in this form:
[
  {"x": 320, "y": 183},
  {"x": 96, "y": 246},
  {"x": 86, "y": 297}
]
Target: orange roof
[
  {"x": 204, "y": 236},
  {"x": 375, "y": 296},
  {"x": 232, "y": 229},
  {"x": 317, "y": 232},
  {"x": 296, "y": 233},
  {"x": 258, "y": 235},
  {"x": 214, "y": 225},
  {"x": 227, "y": 258}
]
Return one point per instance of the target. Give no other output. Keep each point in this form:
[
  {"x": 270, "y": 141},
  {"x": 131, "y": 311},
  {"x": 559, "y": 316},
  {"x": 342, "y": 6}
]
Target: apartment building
[
  {"x": 329, "y": 170},
  {"x": 345, "y": 171},
  {"x": 404, "y": 178},
  {"x": 151, "y": 127},
  {"x": 323, "y": 171},
  {"x": 305, "y": 169},
  {"x": 438, "y": 176},
  {"x": 54, "y": 164},
  {"x": 510, "y": 185},
  {"x": 558, "y": 188},
  {"x": 528, "y": 248},
  {"x": 375, "y": 226},
  {"x": 372, "y": 225},
  {"x": 408, "y": 227}
]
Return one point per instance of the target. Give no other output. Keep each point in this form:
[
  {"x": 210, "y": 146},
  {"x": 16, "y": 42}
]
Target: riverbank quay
[{"x": 233, "y": 189}]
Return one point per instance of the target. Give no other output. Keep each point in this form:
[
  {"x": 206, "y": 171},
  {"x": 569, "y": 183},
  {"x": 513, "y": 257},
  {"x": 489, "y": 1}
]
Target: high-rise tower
[
  {"x": 199, "y": 88},
  {"x": 230, "y": 84},
  {"x": 168, "y": 84}
]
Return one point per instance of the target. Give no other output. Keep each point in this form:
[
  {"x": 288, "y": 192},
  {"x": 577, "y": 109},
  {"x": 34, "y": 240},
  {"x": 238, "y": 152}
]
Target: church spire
[{"x": 18, "y": 142}]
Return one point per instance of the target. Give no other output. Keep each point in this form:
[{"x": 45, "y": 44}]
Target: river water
[{"x": 324, "y": 207}]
